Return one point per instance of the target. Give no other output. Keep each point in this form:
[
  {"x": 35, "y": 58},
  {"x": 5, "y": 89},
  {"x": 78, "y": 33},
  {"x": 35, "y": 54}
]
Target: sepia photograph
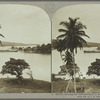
[
  {"x": 49, "y": 49},
  {"x": 76, "y": 49},
  {"x": 25, "y": 49}
]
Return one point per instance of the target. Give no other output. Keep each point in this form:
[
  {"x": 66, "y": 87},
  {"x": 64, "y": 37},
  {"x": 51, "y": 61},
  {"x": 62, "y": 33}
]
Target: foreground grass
[
  {"x": 11, "y": 85},
  {"x": 90, "y": 86}
]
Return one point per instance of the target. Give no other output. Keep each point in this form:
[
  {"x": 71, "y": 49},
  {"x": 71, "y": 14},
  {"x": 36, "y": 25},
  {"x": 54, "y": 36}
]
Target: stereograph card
[{"x": 49, "y": 49}]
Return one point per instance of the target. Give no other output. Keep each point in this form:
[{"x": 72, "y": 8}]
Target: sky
[
  {"x": 89, "y": 15},
  {"x": 24, "y": 24}
]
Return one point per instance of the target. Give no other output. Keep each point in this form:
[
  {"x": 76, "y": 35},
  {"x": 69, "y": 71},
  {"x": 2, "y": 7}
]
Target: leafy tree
[
  {"x": 70, "y": 70},
  {"x": 38, "y": 47},
  {"x": 15, "y": 67},
  {"x": 72, "y": 38},
  {"x": 94, "y": 68},
  {"x": 62, "y": 70},
  {"x": 45, "y": 49},
  {"x": 56, "y": 43},
  {"x": 20, "y": 48}
]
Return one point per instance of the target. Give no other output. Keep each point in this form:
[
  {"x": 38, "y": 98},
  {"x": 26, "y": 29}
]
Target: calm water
[
  {"x": 39, "y": 64},
  {"x": 82, "y": 59}
]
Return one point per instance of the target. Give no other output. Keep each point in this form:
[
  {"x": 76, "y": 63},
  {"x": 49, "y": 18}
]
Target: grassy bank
[
  {"x": 90, "y": 86},
  {"x": 11, "y": 85}
]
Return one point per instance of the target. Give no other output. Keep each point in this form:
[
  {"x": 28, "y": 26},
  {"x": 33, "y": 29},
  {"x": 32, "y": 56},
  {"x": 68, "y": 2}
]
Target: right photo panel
[{"x": 76, "y": 49}]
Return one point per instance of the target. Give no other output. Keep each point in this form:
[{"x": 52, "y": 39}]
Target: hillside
[
  {"x": 89, "y": 44},
  {"x": 92, "y": 44},
  {"x": 11, "y": 85},
  {"x": 90, "y": 86},
  {"x": 16, "y": 44}
]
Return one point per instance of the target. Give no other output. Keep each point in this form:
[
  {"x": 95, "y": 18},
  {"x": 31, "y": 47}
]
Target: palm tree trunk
[
  {"x": 74, "y": 69},
  {"x": 72, "y": 77},
  {"x": 67, "y": 73},
  {"x": 74, "y": 73}
]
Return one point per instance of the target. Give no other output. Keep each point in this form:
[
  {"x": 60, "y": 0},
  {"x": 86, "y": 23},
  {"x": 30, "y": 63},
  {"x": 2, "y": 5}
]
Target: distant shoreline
[
  {"x": 89, "y": 44},
  {"x": 40, "y": 49},
  {"x": 16, "y": 44}
]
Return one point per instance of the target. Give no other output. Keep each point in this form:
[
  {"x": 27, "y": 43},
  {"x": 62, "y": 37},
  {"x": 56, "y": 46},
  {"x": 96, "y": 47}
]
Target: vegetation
[
  {"x": 43, "y": 49},
  {"x": 55, "y": 43},
  {"x": 70, "y": 65},
  {"x": 70, "y": 70},
  {"x": 15, "y": 67},
  {"x": 94, "y": 68},
  {"x": 84, "y": 86},
  {"x": 11, "y": 85},
  {"x": 71, "y": 39},
  {"x": 16, "y": 44},
  {"x": 54, "y": 78}
]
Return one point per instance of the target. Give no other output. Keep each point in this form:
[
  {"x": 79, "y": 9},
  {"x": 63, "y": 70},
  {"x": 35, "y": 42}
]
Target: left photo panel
[{"x": 25, "y": 49}]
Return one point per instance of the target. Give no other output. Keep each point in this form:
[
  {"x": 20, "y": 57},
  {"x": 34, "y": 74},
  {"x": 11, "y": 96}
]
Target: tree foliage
[
  {"x": 43, "y": 49},
  {"x": 69, "y": 65},
  {"x": 15, "y": 67},
  {"x": 68, "y": 58},
  {"x": 70, "y": 69},
  {"x": 94, "y": 68},
  {"x": 72, "y": 37}
]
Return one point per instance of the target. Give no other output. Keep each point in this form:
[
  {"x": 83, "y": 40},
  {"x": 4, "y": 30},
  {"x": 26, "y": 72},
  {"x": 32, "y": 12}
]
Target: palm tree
[
  {"x": 68, "y": 58},
  {"x": 3, "y": 37},
  {"x": 69, "y": 64},
  {"x": 72, "y": 38}
]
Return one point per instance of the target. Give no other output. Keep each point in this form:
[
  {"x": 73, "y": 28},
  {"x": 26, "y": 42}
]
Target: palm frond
[
  {"x": 1, "y": 35},
  {"x": 61, "y": 45},
  {"x": 0, "y": 25},
  {"x": 79, "y": 43},
  {"x": 61, "y": 36},
  {"x": 73, "y": 35},
  {"x": 66, "y": 24},
  {"x": 82, "y": 33},
  {"x": 72, "y": 22},
  {"x": 62, "y": 30},
  {"x": 80, "y": 26},
  {"x": 1, "y": 43},
  {"x": 82, "y": 40}
]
